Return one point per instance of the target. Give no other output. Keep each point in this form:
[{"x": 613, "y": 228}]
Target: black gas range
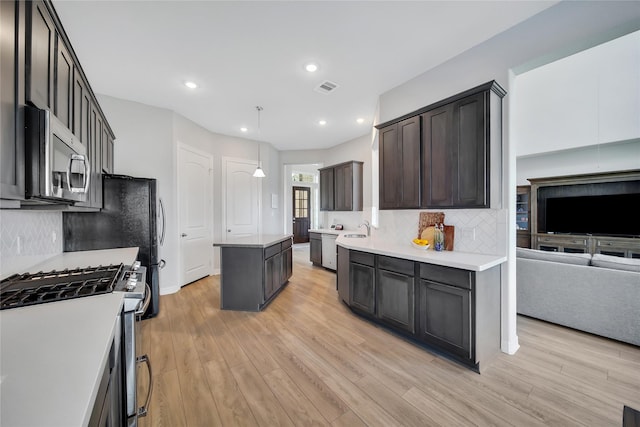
[{"x": 27, "y": 289}]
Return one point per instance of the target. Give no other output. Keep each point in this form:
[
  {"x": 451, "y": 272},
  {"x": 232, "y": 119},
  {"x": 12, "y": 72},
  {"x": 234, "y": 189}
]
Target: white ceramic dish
[{"x": 423, "y": 247}]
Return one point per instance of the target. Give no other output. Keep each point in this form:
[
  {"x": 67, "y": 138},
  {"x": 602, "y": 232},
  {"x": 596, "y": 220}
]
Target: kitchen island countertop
[
  {"x": 253, "y": 241},
  {"x": 463, "y": 260},
  {"x": 53, "y": 353},
  {"x": 327, "y": 231}
]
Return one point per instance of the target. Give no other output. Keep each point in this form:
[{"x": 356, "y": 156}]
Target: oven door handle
[
  {"x": 147, "y": 300},
  {"x": 142, "y": 411}
]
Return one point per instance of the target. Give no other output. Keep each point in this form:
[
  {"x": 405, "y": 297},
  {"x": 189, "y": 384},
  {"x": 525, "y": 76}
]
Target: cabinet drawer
[
  {"x": 397, "y": 265},
  {"x": 272, "y": 250},
  {"x": 315, "y": 236},
  {"x": 286, "y": 244},
  {"x": 564, "y": 240},
  {"x": 447, "y": 275},
  {"x": 362, "y": 258}
]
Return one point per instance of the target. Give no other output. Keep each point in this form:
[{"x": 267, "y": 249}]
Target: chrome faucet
[{"x": 366, "y": 224}]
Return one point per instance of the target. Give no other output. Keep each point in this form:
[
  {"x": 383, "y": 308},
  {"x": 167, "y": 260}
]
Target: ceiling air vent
[{"x": 326, "y": 87}]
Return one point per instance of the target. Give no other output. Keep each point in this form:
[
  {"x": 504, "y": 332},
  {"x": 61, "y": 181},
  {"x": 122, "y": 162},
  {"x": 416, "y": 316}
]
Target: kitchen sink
[{"x": 360, "y": 236}]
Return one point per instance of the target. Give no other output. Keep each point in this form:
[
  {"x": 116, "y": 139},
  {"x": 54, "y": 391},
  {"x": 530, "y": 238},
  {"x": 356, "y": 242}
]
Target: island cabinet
[
  {"x": 341, "y": 187},
  {"x": 253, "y": 271},
  {"x": 451, "y": 310}
]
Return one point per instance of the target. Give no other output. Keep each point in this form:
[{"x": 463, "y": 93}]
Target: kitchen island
[
  {"x": 253, "y": 270},
  {"x": 447, "y": 301},
  {"x": 53, "y": 354}
]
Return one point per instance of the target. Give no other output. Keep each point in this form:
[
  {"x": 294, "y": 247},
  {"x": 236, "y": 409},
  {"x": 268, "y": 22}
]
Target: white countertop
[
  {"x": 463, "y": 260},
  {"x": 52, "y": 354},
  {"x": 256, "y": 240},
  {"x": 328, "y": 231},
  {"x": 84, "y": 259}
]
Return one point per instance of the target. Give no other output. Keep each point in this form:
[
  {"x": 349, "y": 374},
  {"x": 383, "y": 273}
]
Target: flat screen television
[{"x": 611, "y": 215}]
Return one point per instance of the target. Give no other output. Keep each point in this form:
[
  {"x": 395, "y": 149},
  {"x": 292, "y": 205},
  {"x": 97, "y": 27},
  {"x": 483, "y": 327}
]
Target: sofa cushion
[
  {"x": 562, "y": 257},
  {"x": 616, "y": 262}
]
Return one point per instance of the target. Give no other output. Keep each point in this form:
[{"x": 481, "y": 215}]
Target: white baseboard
[
  {"x": 171, "y": 290},
  {"x": 510, "y": 346}
]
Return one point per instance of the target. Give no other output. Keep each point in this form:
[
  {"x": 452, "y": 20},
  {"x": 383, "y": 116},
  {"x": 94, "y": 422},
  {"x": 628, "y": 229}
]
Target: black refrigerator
[{"x": 129, "y": 217}]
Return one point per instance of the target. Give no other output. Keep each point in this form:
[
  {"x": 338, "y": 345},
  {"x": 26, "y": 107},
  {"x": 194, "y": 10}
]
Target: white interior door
[
  {"x": 241, "y": 198},
  {"x": 195, "y": 197}
]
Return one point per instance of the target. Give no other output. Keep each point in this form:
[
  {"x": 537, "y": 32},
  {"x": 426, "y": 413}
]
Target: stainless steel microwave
[{"x": 57, "y": 164}]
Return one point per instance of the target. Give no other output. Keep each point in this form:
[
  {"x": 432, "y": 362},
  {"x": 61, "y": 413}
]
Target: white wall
[
  {"x": 144, "y": 148},
  {"x": 563, "y": 29},
  {"x": 592, "y": 97},
  {"x": 615, "y": 156},
  {"x": 146, "y": 145}
]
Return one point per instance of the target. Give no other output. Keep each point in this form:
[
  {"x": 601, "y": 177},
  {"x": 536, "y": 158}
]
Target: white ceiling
[{"x": 243, "y": 54}]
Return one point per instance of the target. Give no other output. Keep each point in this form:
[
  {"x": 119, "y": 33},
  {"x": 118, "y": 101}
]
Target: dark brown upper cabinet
[
  {"x": 40, "y": 55},
  {"x": 12, "y": 161},
  {"x": 399, "y": 154},
  {"x": 63, "y": 88},
  {"x": 341, "y": 187},
  {"x": 437, "y": 156},
  {"x": 45, "y": 72},
  {"x": 460, "y": 150},
  {"x": 326, "y": 189}
]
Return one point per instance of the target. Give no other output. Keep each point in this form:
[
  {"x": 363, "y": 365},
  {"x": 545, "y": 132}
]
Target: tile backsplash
[
  {"x": 28, "y": 237},
  {"x": 476, "y": 230}
]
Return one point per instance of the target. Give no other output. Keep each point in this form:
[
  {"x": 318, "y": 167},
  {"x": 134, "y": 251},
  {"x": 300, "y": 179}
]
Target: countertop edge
[
  {"x": 462, "y": 260},
  {"x": 257, "y": 241},
  {"x": 327, "y": 231}
]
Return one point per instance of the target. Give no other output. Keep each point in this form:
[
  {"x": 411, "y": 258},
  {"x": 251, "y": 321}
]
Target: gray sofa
[{"x": 599, "y": 294}]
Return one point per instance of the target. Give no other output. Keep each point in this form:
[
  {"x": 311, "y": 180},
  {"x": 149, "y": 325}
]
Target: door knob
[{"x": 184, "y": 235}]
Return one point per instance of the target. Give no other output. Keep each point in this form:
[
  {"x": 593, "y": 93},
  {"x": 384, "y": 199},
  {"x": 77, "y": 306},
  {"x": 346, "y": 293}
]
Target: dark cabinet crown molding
[{"x": 492, "y": 86}]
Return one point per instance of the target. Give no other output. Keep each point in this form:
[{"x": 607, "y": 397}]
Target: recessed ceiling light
[
  {"x": 322, "y": 122},
  {"x": 311, "y": 67},
  {"x": 190, "y": 85},
  {"x": 243, "y": 129},
  {"x": 360, "y": 120}
]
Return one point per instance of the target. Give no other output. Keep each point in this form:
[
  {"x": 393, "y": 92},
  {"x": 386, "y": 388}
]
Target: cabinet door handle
[{"x": 142, "y": 411}]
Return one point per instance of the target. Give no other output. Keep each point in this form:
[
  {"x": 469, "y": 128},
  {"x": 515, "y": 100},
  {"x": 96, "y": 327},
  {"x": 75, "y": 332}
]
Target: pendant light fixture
[{"x": 259, "y": 173}]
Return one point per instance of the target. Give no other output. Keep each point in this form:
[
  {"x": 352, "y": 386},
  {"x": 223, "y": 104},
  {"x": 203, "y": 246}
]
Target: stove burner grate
[{"x": 26, "y": 289}]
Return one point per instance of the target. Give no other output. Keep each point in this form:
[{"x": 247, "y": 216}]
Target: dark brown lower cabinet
[
  {"x": 362, "y": 281},
  {"x": 252, "y": 276},
  {"x": 315, "y": 248},
  {"x": 451, "y": 310},
  {"x": 445, "y": 317},
  {"x": 395, "y": 292},
  {"x": 272, "y": 271},
  {"x": 287, "y": 265}
]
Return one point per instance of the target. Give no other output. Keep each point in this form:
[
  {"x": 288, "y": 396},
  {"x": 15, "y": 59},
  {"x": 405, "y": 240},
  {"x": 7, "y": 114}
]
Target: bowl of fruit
[{"x": 420, "y": 244}]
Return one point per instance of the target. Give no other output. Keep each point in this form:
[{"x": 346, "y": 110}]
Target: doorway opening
[
  {"x": 302, "y": 207},
  {"x": 301, "y": 214}
]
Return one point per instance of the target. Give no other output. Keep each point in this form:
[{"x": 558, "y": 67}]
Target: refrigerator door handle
[{"x": 164, "y": 222}]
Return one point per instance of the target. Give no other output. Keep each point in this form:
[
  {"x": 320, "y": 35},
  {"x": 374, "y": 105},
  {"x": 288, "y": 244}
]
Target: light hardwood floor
[{"x": 307, "y": 360}]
